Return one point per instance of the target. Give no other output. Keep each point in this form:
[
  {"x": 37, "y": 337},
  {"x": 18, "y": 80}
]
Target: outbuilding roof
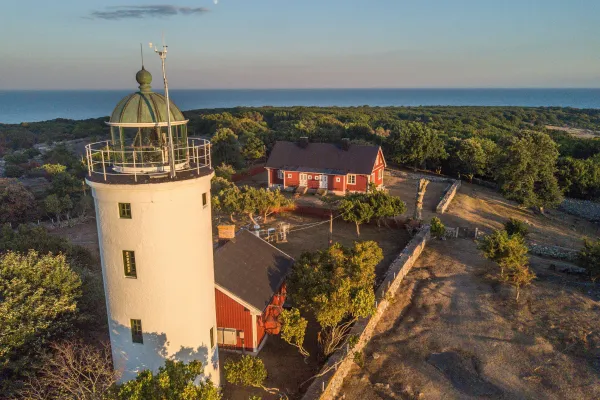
[
  {"x": 323, "y": 157},
  {"x": 251, "y": 269}
]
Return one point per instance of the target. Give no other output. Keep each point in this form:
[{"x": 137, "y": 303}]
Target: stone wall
[
  {"x": 418, "y": 175},
  {"x": 340, "y": 362},
  {"x": 447, "y": 198},
  {"x": 560, "y": 253},
  {"x": 582, "y": 208}
]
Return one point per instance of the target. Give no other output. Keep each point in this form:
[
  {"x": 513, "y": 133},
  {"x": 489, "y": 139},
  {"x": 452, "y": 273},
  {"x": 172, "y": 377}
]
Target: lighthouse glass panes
[
  {"x": 129, "y": 264},
  {"x": 125, "y": 210},
  {"x": 136, "y": 331}
]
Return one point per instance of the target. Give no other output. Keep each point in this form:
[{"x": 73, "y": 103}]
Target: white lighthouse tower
[{"x": 151, "y": 186}]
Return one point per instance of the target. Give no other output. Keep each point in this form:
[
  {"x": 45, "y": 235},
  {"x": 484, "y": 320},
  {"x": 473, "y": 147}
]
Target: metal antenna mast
[
  {"x": 142, "y": 54},
  {"x": 163, "y": 55}
]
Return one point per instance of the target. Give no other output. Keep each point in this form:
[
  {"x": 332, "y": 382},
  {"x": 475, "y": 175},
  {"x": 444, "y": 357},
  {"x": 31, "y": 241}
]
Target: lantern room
[{"x": 148, "y": 137}]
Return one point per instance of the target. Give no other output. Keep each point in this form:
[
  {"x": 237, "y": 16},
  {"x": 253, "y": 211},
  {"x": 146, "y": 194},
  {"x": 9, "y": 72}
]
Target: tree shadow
[{"x": 129, "y": 358}]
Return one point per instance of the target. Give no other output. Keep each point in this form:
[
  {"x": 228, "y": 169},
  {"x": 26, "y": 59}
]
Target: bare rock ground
[{"x": 453, "y": 333}]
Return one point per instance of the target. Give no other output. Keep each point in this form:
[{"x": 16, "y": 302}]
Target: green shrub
[
  {"x": 438, "y": 229},
  {"x": 589, "y": 258},
  {"x": 516, "y": 227}
]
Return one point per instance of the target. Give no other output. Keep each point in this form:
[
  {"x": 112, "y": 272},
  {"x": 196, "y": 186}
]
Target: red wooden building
[
  {"x": 337, "y": 168},
  {"x": 249, "y": 290}
]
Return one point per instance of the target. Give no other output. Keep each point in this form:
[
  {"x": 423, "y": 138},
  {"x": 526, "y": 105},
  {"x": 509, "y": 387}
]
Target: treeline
[{"x": 469, "y": 142}]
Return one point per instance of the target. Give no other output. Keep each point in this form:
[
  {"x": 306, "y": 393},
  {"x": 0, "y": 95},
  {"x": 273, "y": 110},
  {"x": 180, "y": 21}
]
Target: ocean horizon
[{"x": 18, "y": 106}]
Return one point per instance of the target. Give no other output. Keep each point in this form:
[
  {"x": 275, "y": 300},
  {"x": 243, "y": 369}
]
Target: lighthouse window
[
  {"x": 204, "y": 199},
  {"x": 125, "y": 210},
  {"x": 129, "y": 264},
  {"x": 136, "y": 331},
  {"x": 212, "y": 337}
]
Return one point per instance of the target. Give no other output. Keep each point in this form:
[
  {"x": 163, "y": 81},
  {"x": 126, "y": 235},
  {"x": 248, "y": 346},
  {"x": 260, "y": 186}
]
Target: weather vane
[{"x": 163, "y": 55}]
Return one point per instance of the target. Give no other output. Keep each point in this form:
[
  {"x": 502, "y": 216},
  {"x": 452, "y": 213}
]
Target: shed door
[
  {"x": 323, "y": 182},
  {"x": 303, "y": 180}
]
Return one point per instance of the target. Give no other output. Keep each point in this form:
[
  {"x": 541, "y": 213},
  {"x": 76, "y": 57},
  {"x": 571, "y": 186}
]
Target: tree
[
  {"x": 336, "y": 286},
  {"x": 527, "y": 170},
  {"x": 293, "y": 329},
  {"x": 263, "y": 201},
  {"x": 73, "y": 370},
  {"x": 225, "y": 171},
  {"x": 516, "y": 227},
  {"x": 510, "y": 253},
  {"x": 53, "y": 169},
  {"x": 438, "y": 229},
  {"x": 39, "y": 304},
  {"x": 474, "y": 156},
  {"x": 384, "y": 205},
  {"x": 53, "y": 206},
  {"x": 174, "y": 381},
  {"x": 415, "y": 143},
  {"x": 17, "y": 204},
  {"x": 248, "y": 371},
  {"x": 66, "y": 205},
  {"x": 253, "y": 148},
  {"x": 519, "y": 275},
  {"x": 505, "y": 250},
  {"x": 226, "y": 148},
  {"x": 355, "y": 208},
  {"x": 228, "y": 200},
  {"x": 589, "y": 258}
]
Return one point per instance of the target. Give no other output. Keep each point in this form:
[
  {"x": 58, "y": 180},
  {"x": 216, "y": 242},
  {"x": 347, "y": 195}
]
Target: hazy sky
[{"x": 94, "y": 44}]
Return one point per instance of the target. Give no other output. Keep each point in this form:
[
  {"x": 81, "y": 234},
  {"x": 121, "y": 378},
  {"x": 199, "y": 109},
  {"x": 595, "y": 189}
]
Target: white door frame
[
  {"x": 303, "y": 179},
  {"x": 323, "y": 182}
]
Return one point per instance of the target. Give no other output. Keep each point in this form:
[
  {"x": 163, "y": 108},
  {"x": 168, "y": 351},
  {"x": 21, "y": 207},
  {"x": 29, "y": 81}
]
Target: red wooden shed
[{"x": 249, "y": 290}]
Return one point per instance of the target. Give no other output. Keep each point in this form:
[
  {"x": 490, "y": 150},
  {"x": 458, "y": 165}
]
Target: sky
[{"x": 95, "y": 44}]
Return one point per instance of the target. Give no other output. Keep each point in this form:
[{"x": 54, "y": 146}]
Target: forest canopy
[{"x": 471, "y": 142}]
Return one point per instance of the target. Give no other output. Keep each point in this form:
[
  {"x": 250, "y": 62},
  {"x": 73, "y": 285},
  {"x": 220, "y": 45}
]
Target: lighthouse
[{"x": 151, "y": 189}]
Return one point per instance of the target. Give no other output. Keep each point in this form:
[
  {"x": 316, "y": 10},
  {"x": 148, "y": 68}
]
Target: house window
[
  {"x": 337, "y": 179},
  {"x": 204, "y": 199},
  {"x": 289, "y": 176},
  {"x": 136, "y": 331},
  {"x": 212, "y": 337},
  {"x": 125, "y": 210},
  {"x": 351, "y": 179},
  {"x": 317, "y": 177},
  {"x": 310, "y": 177},
  {"x": 129, "y": 264},
  {"x": 380, "y": 174},
  {"x": 227, "y": 336},
  {"x": 280, "y": 174}
]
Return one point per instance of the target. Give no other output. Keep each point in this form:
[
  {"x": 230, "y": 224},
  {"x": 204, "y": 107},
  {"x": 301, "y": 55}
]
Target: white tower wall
[{"x": 173, "y": 294}]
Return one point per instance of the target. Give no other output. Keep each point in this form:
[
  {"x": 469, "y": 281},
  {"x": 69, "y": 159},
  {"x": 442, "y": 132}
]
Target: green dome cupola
[{"x": 145, "y": 106}]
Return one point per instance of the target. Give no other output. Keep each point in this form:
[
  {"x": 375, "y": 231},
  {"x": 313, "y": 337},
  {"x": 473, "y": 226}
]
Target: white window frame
[
  {"x": 337, "y": 179},
  {"x": 279, "y": 174},
  {"x": 317, "y": 177},
  {"x": 351, "y": 179},
  {"x": 309, "y": 177},
  {"x": 289, "y": 176},
  {"x": 227, "y": 336}
]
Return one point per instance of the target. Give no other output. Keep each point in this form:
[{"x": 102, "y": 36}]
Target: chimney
[
  {"x": 226, "y": 233},
  {"x": 303, "y": 141},
  {"x": 346, "y": 144}
]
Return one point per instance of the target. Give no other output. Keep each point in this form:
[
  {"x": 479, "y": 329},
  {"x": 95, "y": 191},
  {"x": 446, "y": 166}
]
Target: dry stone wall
[
  {"x": 447, "y": 198},
  {"x": 559, "y": 253},
  {"x": 340, "y": 362},
  {"x": 589, "y": 210}
]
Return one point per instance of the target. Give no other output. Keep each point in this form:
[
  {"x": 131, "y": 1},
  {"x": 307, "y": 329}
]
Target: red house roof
[
  {"x": 325, "y": 158},
  {"x": 251, "y": 269}
]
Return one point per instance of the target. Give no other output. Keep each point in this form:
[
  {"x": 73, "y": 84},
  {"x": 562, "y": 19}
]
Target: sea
[{"x": 31, "y": 106}]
